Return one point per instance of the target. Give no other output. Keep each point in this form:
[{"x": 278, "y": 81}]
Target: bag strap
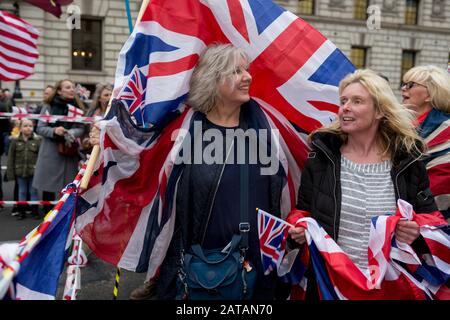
[
  {"x": 197, "y": 250},
  {"x": 244, "y": 225}
]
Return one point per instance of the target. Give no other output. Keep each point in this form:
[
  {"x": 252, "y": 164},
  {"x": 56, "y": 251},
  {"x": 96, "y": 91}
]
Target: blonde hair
[
  {"x": 396, "y": 131},
  {"x": 98, "y": 92},
  {"x": 436, "y": 80},
  {"x": 216, "y": 65}
]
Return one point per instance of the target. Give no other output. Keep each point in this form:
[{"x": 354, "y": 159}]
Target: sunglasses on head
[{"x": 410, "y": 84}]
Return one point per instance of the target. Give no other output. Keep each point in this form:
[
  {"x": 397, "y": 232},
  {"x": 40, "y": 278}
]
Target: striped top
[{"x": 367, "y": 191}]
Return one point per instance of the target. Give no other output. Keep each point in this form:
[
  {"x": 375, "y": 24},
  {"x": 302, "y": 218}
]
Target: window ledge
[{"x": 87, "y": 72}]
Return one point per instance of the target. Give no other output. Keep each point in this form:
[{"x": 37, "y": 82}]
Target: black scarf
[{"x": 59, "y": 107}]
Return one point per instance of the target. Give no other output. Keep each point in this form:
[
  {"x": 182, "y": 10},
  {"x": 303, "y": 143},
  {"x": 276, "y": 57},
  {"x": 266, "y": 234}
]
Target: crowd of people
[
  {"x": 371, "y": 155},
  {"x": 43, "y": 157}
]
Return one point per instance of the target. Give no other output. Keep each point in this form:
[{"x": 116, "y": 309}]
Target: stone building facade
[
  {"x": 394, "y": 45},
  {"x": 388, "y": 48}
]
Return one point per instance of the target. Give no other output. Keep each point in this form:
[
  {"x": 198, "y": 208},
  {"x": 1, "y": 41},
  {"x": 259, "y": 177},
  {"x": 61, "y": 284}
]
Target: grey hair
[{"x": 216, "y": 65}]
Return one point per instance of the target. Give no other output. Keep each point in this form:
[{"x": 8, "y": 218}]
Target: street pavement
[{"x": 97, "y": 278}]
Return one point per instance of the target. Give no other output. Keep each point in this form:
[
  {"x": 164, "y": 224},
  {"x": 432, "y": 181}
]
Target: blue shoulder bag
[{"x": 220, "y": 274}]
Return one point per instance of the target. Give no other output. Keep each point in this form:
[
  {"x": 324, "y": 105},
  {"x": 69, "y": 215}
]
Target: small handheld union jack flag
[
  {"x": 82, "y": 92},
  {"x": 133, "y": 94},
  {"x": 272, "y": 240}
]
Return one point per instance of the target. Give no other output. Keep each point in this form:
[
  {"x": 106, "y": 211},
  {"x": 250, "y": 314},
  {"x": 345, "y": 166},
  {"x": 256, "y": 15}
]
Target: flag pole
[
  {"x": 96, "y": 149},
  {"x": 130, "y": 21}
]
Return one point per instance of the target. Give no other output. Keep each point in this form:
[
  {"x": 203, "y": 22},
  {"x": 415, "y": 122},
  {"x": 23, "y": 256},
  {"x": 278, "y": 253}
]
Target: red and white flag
[
  {"x": 19, "y": 110},
  {"x": 74, "y": 111},
  {"x": 18, "y": 47}
]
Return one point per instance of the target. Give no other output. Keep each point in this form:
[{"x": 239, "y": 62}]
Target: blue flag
[{"x": 40, "y": 271}]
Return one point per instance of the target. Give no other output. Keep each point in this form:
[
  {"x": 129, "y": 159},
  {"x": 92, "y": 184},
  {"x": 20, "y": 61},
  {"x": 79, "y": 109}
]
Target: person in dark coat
[
  {"x": 360, "y": 165},
  {"x": 54, "y": 170},
  {"x": 22, "y": 157},
  {"x": 210, "y": 194},
  {"x": 5, "y": 106}
]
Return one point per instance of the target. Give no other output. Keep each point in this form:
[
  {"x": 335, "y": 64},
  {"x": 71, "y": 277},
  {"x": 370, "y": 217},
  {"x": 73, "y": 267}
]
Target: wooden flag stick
[{"x": 96, "y": 149}]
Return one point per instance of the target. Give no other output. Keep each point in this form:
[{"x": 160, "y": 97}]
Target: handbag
[
  {"x": 66, "y": 151},
  {"x": 217, "y": 275},
  {"x": 220, "y": 274}
]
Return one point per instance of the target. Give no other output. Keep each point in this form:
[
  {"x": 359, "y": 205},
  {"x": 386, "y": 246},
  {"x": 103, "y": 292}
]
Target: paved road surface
[{"x": 97, "y": 278}]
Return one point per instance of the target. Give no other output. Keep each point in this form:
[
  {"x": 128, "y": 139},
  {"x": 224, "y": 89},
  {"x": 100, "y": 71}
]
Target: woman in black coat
[{"x": 361, "y": 165}]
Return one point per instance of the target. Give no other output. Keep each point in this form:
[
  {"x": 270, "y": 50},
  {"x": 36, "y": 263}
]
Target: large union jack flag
[
  {"x": 126, "y": 214},
  {"x": 294, "y": 67}
]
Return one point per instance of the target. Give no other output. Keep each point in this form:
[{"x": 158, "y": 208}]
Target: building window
[
  {"x": 360, "y": 10},
  {"x": 306, "y": 7},
  {"x": 411, "y": 12},
  {"x": 408, "y": 61},
  {"x": 87, "y": 45},
  {"x": 358, "y": 57}
]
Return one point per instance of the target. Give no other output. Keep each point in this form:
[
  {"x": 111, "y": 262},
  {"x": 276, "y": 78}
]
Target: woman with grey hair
[
  {"x": 211, "y": 197},
  {"x": 221, "y": 181},
  {"x": 216, "y": 200}
]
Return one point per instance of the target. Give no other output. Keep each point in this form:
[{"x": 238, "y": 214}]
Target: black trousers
[{"x": 48, "y": 196}]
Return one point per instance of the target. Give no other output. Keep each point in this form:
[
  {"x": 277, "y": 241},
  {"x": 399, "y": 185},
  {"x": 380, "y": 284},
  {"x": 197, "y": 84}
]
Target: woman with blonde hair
[
  {"x": 426, "y": 91},
  {"x": 360, "y": 166},
  {"x": 100, "y": 100}
]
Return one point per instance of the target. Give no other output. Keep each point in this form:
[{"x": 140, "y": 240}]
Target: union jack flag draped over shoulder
[
  {"x": 126, "y": 214},
  {"x": 435, "y": 130}
]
